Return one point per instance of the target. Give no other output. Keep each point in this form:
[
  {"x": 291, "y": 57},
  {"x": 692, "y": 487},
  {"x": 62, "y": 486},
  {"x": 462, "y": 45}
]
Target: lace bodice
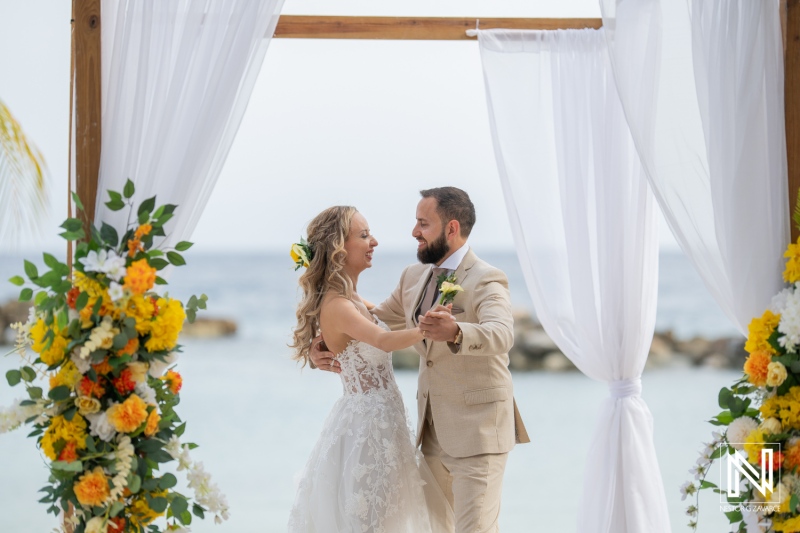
[{"x": 365, "y": 368}]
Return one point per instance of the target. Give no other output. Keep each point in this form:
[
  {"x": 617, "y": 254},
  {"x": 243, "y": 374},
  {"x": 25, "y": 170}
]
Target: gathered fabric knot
[{"x": 625, "y": 388}]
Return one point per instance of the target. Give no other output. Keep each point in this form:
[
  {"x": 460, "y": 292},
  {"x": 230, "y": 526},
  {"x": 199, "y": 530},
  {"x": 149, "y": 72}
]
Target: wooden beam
[
  {"x": 86, "y": 50},
  {"x": 411, "y": 28},
  {"x": 791, "y": 100}
]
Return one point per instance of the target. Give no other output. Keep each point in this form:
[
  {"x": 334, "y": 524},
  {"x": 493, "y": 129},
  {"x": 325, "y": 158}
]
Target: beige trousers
[{"x": 472, "y": 485}]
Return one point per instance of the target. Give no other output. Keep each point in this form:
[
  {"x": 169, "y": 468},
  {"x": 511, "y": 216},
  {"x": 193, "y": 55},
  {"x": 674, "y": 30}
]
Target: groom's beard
[{"x": 434, "y": 251}]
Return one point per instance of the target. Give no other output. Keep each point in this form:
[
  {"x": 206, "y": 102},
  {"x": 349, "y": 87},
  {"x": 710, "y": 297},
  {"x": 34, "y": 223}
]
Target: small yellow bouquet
[
  {"x": 301, "y": 254},
  {"x": 448, "y": 288}
]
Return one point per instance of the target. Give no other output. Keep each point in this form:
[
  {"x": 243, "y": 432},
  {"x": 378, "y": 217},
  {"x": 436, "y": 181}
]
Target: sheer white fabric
[
  {"x": 585, "y": 233},
  {"x": 364, "y": 474},
  {"x": 701, "y": 83},
  {"x": 176, "y": 79}
]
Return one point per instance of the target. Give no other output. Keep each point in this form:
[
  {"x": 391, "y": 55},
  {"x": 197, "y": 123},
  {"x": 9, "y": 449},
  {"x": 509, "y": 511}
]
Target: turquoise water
[{"x": 256, "y": 415}]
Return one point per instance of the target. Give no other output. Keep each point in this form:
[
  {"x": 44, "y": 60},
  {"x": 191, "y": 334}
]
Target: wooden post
[
  {"x": 86, "y": 61},
  {"x": 791, "y": 100}
]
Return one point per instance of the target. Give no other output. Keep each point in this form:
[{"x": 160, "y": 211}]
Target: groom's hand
[
  {"x": 322, "y": 358},
  {"x": 439, "y": 324}
]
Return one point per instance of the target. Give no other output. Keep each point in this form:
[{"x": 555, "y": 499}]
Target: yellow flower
[
  {"x": 166, "y": 326},
  {"x": 152, "y": 423},
  {"x": 140, "y": 277},
  {"x": 788, "y": 525},
  {"x": 96, "y": 291},
  {"x": 785, "y": 408},
  {"x": 299, "y": 256},
  {"x": 754, "y": 443},
  {"x": 143, "y": 230},
  {"x": 776, "y": 374},
  {"x": 55, "y": 353},
  {"x": 67, "y": 430},
  {"x": 138, "y": 371},
  {"x": 140, "y": 513},
  {"x": 126, "y": 417},
  {"x": 87, "y": 405},
  {"x": 792, "y": 271},
  {"x": 68, "y": 375},
  {"x": 760, "y": 330},
  {"x": 92, "y": 488},
  {"x": 141, "y": 309}
]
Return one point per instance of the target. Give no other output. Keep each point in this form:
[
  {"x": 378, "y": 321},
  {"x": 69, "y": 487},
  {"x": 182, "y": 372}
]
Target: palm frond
[{"x": 23, "y": 202}]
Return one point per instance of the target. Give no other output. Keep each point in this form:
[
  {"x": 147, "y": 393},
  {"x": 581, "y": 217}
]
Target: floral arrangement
[
  {"x": 301, "y": 254},
  {"x": 448, "y": 288},
  {"x": 105, "y": 345},
  {"x": 762, "y": 411}
]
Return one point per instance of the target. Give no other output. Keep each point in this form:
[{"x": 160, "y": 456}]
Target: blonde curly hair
[{"x": 327, "y": 234}]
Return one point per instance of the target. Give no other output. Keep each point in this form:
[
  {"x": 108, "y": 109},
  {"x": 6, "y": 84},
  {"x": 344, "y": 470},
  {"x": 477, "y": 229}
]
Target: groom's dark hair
[{"x": 454, "y": 204}]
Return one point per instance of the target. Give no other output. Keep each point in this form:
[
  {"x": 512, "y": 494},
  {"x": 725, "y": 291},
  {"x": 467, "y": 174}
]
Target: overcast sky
[{"x": 366, "y": 123}]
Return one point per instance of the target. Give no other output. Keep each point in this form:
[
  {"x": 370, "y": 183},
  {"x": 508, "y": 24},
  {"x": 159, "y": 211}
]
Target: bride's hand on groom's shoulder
[{"x": 322, "y": 358}]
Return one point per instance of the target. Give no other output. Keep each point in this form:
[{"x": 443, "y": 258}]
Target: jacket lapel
[
  {"x": 418, "y": 291},
  {"x": 461, "y": 274}
]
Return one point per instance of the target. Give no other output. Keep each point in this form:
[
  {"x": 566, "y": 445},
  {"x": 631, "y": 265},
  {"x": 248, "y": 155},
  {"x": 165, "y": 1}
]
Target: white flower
[
  {"x": 16, "y": 415},
  {"x": 777, "y": 497},
  {"x": 717, "y": 437},
  {"x": 146, "y": 393},
  {"x": 699, "y": 469},
  {"x": 157, "y": 368},
  {"x": 687, "y": 489},
  {"x": 789, "y": 324},
  {"x": 96, "y": 525},
  {"x": 81, "y": 364},
  {"x": 101, "y": 336},
  {"x": 739, "y": 429},
  {"x": 207, "y": 493},
  {"x": 755, "y": 522},
  {"x": 115, "y": 291},
  {"x": 778, "y": 303},
  {"x": 691, "y": 511},
  {"x": 123, "y": 458},
  {"x": 100, "y": 427},
  {"x": 106, "y": 262}
]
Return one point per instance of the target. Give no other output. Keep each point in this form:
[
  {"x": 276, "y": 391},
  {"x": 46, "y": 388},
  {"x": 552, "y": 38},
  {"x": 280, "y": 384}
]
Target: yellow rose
[
  {"x": 87, "y": 405},
  {"x": 771, "y": 426},
  {"x": 776, "y": 374},
  {"x": 299, "y": 255},
  {"x": 448, "y": 288},
  {"x": 138, "y": 371}
]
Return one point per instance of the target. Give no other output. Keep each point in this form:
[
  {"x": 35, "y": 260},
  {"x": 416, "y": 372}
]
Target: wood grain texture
[
  {"x": 87, "y": 142},
  {"x": 411, "y": 28},
  {"x": 792, "y": 102}
]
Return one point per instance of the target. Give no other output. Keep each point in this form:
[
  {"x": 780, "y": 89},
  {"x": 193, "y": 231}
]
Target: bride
[{"x": 364, "y": 474}]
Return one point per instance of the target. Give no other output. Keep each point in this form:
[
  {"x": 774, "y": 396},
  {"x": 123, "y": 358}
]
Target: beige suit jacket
[{"x": 468, "y": 388}]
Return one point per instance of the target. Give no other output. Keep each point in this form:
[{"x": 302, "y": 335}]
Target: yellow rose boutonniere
[
  {"x": 448, "y": 288},
  {"x": 302, "y": 254}
]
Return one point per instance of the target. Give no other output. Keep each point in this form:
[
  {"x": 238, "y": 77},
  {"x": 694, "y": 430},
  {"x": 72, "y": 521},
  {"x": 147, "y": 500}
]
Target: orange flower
[
  {"x": 174, "y": 381},
  {"x": 134, "y": 246},
  {"x": 126, "y": 417},
  {"x": 778, "y": 459},
  {"x": 92, "y": 489},
  {"x": 69, "y": 453},
  {"x": 72, "y": 296},
  {"x": 130, "y": 348},
  {"x": 125, "y": 382},
  {"x": 87, "y": 387},
  {"x": 792, "y": 456},
  {"x": 140, "y": 277},
  {"x": 756, "y": 367},
  {"x": 152, "y": 423},
  {"x": 103, "y": 367},
  {"x": 143, "y": 230},
  {"x": 116, "y": 525}
]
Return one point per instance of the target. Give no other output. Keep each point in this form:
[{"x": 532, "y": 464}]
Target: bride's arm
[{"x": 344, "y": 317}]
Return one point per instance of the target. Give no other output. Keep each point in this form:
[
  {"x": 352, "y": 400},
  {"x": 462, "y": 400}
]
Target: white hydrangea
[
  {"x": 739, "y": 429},
  {"x": 778, "y": 303},
  {"x": 106, "y": 262},
  {"x": 789, "y": 324},
  {"x": 146, "y": 393},
  {"x": 100, "y": 427}
]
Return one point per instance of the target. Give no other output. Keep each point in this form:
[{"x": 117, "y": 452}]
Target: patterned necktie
[{"x": 431, "y": 291}]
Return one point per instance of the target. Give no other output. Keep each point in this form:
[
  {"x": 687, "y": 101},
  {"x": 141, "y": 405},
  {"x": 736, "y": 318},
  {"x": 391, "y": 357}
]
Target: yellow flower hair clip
[{"x": 302, "y": 254}]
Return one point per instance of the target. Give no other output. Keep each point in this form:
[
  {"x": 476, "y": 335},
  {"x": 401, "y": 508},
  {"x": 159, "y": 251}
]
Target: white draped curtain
[
  {"x": 584, "y": 228},
  {"x": 701, "y": 83},
  {"x": 176, "y": 78}
]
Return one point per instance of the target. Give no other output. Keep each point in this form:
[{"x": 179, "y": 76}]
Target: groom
[{"x": 468, "y": 419}]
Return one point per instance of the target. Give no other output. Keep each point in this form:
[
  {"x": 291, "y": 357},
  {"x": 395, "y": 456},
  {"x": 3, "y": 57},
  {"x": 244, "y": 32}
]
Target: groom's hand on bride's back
[{"x": 321, "y": 358}]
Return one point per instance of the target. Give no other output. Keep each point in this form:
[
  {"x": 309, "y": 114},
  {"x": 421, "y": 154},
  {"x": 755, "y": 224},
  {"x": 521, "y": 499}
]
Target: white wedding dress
[{"x": 363, "y": 475}]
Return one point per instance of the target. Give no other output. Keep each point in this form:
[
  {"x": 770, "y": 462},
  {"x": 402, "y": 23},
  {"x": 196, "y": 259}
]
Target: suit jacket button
[{"x": 429, "y": 363}]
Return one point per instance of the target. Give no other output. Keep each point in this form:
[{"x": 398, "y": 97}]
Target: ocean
[{"x": 256, "y": 414}]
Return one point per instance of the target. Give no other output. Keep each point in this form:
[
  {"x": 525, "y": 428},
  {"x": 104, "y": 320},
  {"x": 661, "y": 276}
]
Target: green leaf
[
  {"x": 116, "y": 507},
  {"x": 72, "y": 466},
  {"x": 109, "y": 234},
  {"x": 51, "y": 261},
  {"x": 77, "y": 200},
  {"x": 707, "y": 484},
  {"x": 793, "y": 503},
  {"x": 129, "y": 189},
  {"x": 25, "y": 294},
  {"x": 147, "y": 206},
  {"x": 59, "y": 393},
  {"x": 30, "y": 270},
  {"x": 183, "y": 246},
  {"x": 160, "y": 281},
  {"x": 83, "y": 299},
  {"x": 73, "y": 235},
  {"x": 35, "y": 393},
  {"x": 179, "y": 505},
  {"x": 191, "y": 315},
  {"x": 134, "y": 483},
  {"x": 176, "y": 259},
  {"x": 115, "y": 205},
  {"x": 158, "y": 505},
  {"x": 734, "y": 516},
  {"x": 17, "y": 280},
  {"x": 158, "y": 263},
  {"x": 185, "y": 518},
  {"x": 41, "y": 296},
  {"x": 28, "y": 374},
  {"x": 69, "y": 414},
  {"x": 90, "y": 444},
  {"x": 198, "y": 511},
  {"x": 167, "y": 482},
  {"x": 13, "y": 377},
  {"x": 72, "y": 225},
  {"x": 120, "y": 340},
  {"x": 719, "y": 452}
]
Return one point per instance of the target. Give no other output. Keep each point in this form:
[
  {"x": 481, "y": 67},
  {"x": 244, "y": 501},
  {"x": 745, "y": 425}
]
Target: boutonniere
[
  {"x": 302, "y": 254},
  {"x": 448, "y": 288}
]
